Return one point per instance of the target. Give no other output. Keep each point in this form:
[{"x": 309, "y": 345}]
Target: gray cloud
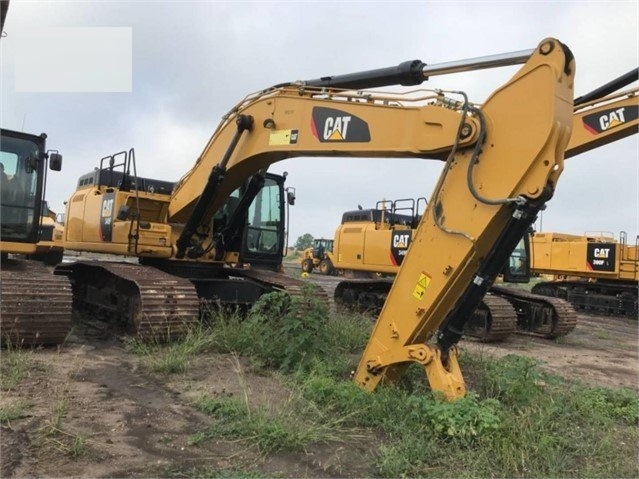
[{"x": 192, "y": 61}]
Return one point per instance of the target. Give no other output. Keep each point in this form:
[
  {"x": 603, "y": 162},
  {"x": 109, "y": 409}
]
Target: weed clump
[{"x": 293, "y": 329}]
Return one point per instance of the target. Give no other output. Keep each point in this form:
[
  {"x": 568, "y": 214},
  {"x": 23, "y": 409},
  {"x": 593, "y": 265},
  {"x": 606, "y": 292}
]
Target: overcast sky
[{"x": 193, "y": 61}]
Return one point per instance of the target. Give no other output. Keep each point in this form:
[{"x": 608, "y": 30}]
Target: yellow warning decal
[
  {"x": 283, "y": 137},
  {"x": 422, "y": 284}
]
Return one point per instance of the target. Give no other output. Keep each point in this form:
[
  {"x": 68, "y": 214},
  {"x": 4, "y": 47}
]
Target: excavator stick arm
[{"x": 527, "y": 127}]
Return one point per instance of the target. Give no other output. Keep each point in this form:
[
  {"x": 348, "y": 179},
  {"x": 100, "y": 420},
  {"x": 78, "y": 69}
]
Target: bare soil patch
[{"x": 139, "y": 424}]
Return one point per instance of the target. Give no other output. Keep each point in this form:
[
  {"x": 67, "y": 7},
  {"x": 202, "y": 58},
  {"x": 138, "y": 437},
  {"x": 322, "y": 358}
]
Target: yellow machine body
[
  {"x": 366, "y": 245},
  {"x": 589, "y": 256},
  {"x": 105, "y": 233}
]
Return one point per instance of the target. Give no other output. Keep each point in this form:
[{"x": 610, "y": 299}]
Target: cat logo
[
  {"x": 601, "y": 257},
  {"x": 106, "y": 217},
  {"x": 401, "y": 241},
  {"x": 610, "y": 118},
  {"x": 336, "y": 128},
  {"x": 107, "y": 207},
  {"x": 330, "y": 125}
]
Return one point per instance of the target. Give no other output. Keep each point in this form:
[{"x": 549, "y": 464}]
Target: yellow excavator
[
  {"x": 502, "y": 162},
  {"x": 594, "y": 272},
  {"x": 35, "y": 307},
  {"x": 161, "y": 297}
]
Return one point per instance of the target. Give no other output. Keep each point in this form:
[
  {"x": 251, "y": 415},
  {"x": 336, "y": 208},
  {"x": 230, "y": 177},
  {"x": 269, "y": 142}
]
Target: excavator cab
[
  {"x": 264, "y": 236},
  {"x": 517, "y": 269},
  {"x": 23, "y": 160}
]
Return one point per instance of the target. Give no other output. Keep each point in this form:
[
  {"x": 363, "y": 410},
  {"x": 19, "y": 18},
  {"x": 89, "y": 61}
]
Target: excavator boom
[
  {"x": 482, "y": 206},
  {"x": 426, "y": 140}
]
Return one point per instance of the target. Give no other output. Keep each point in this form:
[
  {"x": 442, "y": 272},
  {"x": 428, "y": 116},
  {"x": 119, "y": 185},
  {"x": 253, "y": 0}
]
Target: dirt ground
[{"x": 136, "y": 424}]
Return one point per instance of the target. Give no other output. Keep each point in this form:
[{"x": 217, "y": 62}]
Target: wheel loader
[{"x": 317, "y": 257}]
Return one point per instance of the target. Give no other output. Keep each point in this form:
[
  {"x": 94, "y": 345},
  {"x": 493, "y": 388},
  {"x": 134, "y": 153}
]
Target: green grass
[
  {"x": 292, "y": 426},
  {"x": 68, "y": 444},
  {"x": 600, "y": 334},
  {"x": 11, "y": 412},
  {"x": 15, "y": 364},
  {"x": 77, "y": 447},
  {"x": 516, "y": 421},
  {"x": 176, "y": 356},
  {"x": 60, "y": 408}
]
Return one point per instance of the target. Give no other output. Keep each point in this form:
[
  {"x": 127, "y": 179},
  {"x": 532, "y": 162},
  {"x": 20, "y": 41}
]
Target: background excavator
[
  {"x": 593, "y": 272},
  {"x": 370, "y": 243},
  {"x": 36, "y": 305},
  {"x": 604, "y": 273}
]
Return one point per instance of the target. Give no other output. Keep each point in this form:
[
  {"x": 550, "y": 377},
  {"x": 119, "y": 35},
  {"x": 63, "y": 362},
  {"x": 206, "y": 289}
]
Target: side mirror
[
  {"x": 55, "y": 161},
  {"x": 290, "y": 196}
]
